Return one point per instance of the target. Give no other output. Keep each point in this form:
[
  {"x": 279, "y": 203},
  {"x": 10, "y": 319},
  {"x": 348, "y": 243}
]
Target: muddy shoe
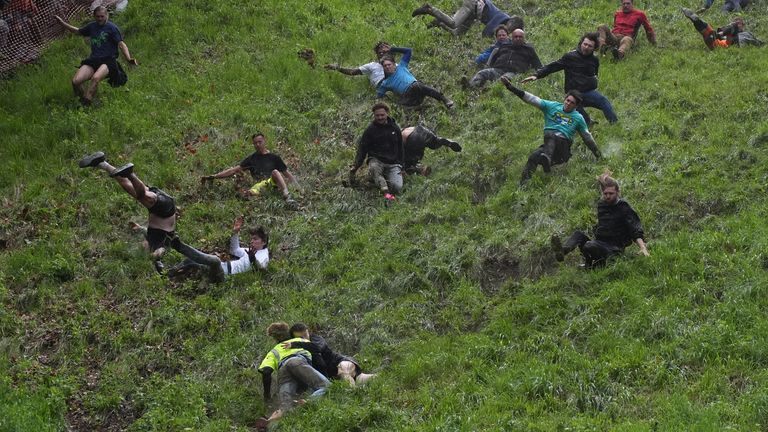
[
  {"x": 557, "y": 248},
  {"x": 159, "y": 266},
  {"x": 92, "y": 160},
  {"x": 425, "y": 9},
  {"x": 124, "y": 171}
]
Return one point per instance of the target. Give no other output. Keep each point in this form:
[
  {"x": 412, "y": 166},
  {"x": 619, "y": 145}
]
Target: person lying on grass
[
  {"x": 418, "y": 138},
  {"x": 294, "y": 372},
  {"x": 561, "y": 122},
  {"x": 618, "y": 226},
  {"x": 470, "y": 10},
  {"x": 267, "y": 169},
  {"x": 373, "y": 70},
  {"x": 723, "y": 37},
  {"x": 256, "y": 256},
  {"x": 400, "y": 81},
  {"x": 328, "y": 362},
  {"x": 507, "y": 57}
]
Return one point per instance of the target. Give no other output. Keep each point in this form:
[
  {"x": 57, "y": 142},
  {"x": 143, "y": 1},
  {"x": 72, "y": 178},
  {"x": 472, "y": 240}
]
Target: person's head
[
  {"x": 259, "y": 142},
  {"x": 259, "y": 238},
  {"x": 609, "y": 187},
  {"x": 626, "y": 6},
  {"x": 518, "y": 37},
  {"x": 587, "y": 43},
  {"x": 380, "y": 113},
  {"x": 738, "y": 22},
  {"x": 572, "y": 99},
  {"x": 300, "y": 330},
  {"x": 381, "y": 48},
  {"x": 389, "y": 65},
  {"x": 279, "y": 331},
  {"x": 501, "y": 33},
  {"x": 101, "y": 15}
]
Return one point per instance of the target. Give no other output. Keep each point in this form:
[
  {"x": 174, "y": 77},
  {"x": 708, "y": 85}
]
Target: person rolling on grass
[
  {"x": 105, "y": 40},
  {"x": 618, "y": 226},
  {"x": 626, "y": 24},
  {"x": 382, "y": 146},
  {"x": 328, "y": 362},
  {"x": 581, "y": 67},
  {"x": 418, "y": 138},
  {"x": 294, "y": 372},
  {"x": 256, "y": 256},
  {"x": 267, "y": 169},
  {"x": 561, "y": 122},
  {"x": 468, "y": 12},
  {"x": 723, "y": 37},
  {"x": 400, "y": 81},
  {"x": 161, "y": 227},
  {"x": 373, "y": 70}
]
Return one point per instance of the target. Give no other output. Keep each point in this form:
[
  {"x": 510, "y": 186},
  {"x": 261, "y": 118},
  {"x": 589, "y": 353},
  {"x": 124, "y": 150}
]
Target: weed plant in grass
[{"x": 452, "y": 295}]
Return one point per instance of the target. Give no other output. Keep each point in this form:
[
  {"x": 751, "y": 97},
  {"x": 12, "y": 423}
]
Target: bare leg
[
  {"x": 277, "y": 177},
  {"x": 99, "y": 75},
  {"x": 82, "y": 75},
  {"x": 363, "y": 378}
]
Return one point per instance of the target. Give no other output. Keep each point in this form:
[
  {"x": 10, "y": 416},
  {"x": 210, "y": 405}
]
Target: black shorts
[
  {"x": 157, "y": 238},
  {"x": 117, "y": 75},
  {"x": 165, "y": 206}
]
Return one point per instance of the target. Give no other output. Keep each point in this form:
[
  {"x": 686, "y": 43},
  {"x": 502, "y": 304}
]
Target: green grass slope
[{"x": 452, "y": 294}]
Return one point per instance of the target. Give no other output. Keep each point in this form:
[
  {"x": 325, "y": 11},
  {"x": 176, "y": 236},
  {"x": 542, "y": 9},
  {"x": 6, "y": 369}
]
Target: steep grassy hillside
[{"x": 451, "y": 294}]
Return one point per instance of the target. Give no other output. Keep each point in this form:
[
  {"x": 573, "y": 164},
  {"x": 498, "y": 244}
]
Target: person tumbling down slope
[
  {"x": 400, "y": 81},
  {"x": 618, "y": 226},
  {"x": 468, "y": 12},
  {"x": 561, "y": 122},
  {"x": 723, "y": 37},
  {"x": 267, "y": 169},
  {"x": 373, "y": 70},
  {"x": 626, "y": 24}
]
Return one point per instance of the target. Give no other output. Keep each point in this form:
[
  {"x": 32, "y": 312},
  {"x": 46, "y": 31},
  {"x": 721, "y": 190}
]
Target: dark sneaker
[
  {"x": 92, "y": 160},
  {"x": 557, "y": 248},
  {"x": 617, "y": 55},
  {"x": 453, "y": 145},
  {"x": 159, "y": 266},
  {"x": 124, "y": 171},
  {"x": 85, "y": 102},
  {"x": 290, "y": 202},
  {"x": 464, "y": 82},
  {"x": 545, "y": 163},
  {"x": 449, "y": 104},
  {"x": 425, "y": 9}
]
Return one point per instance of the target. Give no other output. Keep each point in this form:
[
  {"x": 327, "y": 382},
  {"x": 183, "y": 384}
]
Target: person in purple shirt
[
  {"x": 400, "y": 81},
  {"x": 102, "y": 63}
]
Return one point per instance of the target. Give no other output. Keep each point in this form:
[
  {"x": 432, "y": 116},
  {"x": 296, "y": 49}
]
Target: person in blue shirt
[
  {"x": 561, "y": 123},
  {"x": 102, "y": 63},
  {"x": 400, "y": 81}
]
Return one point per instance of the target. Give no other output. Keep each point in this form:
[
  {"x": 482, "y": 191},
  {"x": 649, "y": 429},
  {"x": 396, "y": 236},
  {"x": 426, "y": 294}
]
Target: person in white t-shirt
[
  {"x": 373, "y": 70},
  {"x": 256, "y": 256}
]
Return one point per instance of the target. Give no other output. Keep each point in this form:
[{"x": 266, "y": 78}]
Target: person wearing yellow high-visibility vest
[{"x": 295, "y": 371}]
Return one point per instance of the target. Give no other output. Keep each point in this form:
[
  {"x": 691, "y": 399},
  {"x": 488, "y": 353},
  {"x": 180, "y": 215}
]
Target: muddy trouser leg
[
  {"x": 594, "y": 98},
  {"x": 394, "y": 175},
  {"x": 212, "y": 262},
  {"x": 606, "y": 38},
  {"x": 625, "y": 43},
  {"x": 298, "y": 371},
  {"x": 419, "y": 139},
  {"x": 417, "y": 91},
  {"x": 596, "y": 252},
  {"x": 706, "y": 31},
  {"x": 484, "y": 75},
  {"x": 463, "y": 15},
  {"x": 184, "y": 265},
  {"x": 376, "y": 171},
  {"x": 545, "y": 150}
]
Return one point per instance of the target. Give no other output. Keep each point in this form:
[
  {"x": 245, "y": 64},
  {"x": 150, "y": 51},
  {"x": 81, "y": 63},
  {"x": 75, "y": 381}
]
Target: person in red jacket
[{"x": 626, "y": 24}]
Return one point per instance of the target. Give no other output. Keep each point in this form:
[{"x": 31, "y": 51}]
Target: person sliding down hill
[
  {"x": 507, "y": 57},
  {"x": 256, "y": 256},
  {"x": 618, "y": 226},
  {"x": 373, "y": 70},
  {"x": 561, "y": 122},
  {"x": 324, "y": 359},
  {"x": 723, "y": 37},
  {"x": 418, "y": 138},
  {"x": 399, "y": 80},
  {"x": 295, "y": 372},
  {"x": 483, "y": 10},
  {"x": 382, "y": 146},
  {"x": 266, "y": 168}
]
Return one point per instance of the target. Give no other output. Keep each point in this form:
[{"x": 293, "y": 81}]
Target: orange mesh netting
[{"x": 26, "y": 26}]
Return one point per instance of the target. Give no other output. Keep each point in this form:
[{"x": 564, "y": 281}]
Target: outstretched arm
[
  {"x": 66, "y": 25},
  {"x": 524, "y": 95},
  {"x": 229, "y": 172},
  {"x": 345, "y": 71},
  {"x": 589, "y": 141}
]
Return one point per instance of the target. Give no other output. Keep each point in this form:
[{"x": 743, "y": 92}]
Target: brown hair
[
  {"x": 279, "y": 331},
  {"x": 380, "y": 105},
  {"x": 607, "y": 181}
]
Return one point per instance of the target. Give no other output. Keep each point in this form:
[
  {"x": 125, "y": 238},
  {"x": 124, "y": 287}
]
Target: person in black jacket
[
  {"x": 581, "y": 67},
  {"x": 325, "y": 360},
  {"x": 507, "y": 57},
  {"x": 618, "y": 226},
  {"x": 382, "y": 145}
]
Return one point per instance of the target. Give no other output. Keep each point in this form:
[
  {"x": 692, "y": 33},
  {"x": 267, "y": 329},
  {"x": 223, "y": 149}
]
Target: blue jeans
[
  {"x": 296, "y": 373},
  {"x": 595, "y": 99}
]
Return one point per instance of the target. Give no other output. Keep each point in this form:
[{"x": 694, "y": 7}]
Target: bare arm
[
  {"x": 229, "y": 172},
  {"x": 66, "y": 25},
  {"x": 124, "y": 49},
  {"x": 345, "y": 71}
]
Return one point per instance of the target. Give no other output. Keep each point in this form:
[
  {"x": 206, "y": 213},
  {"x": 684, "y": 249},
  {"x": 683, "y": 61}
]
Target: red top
[{"x": 627, "y": 24}]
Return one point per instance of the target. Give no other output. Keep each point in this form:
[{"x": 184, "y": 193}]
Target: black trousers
[{"x": 595, "y": 252}]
